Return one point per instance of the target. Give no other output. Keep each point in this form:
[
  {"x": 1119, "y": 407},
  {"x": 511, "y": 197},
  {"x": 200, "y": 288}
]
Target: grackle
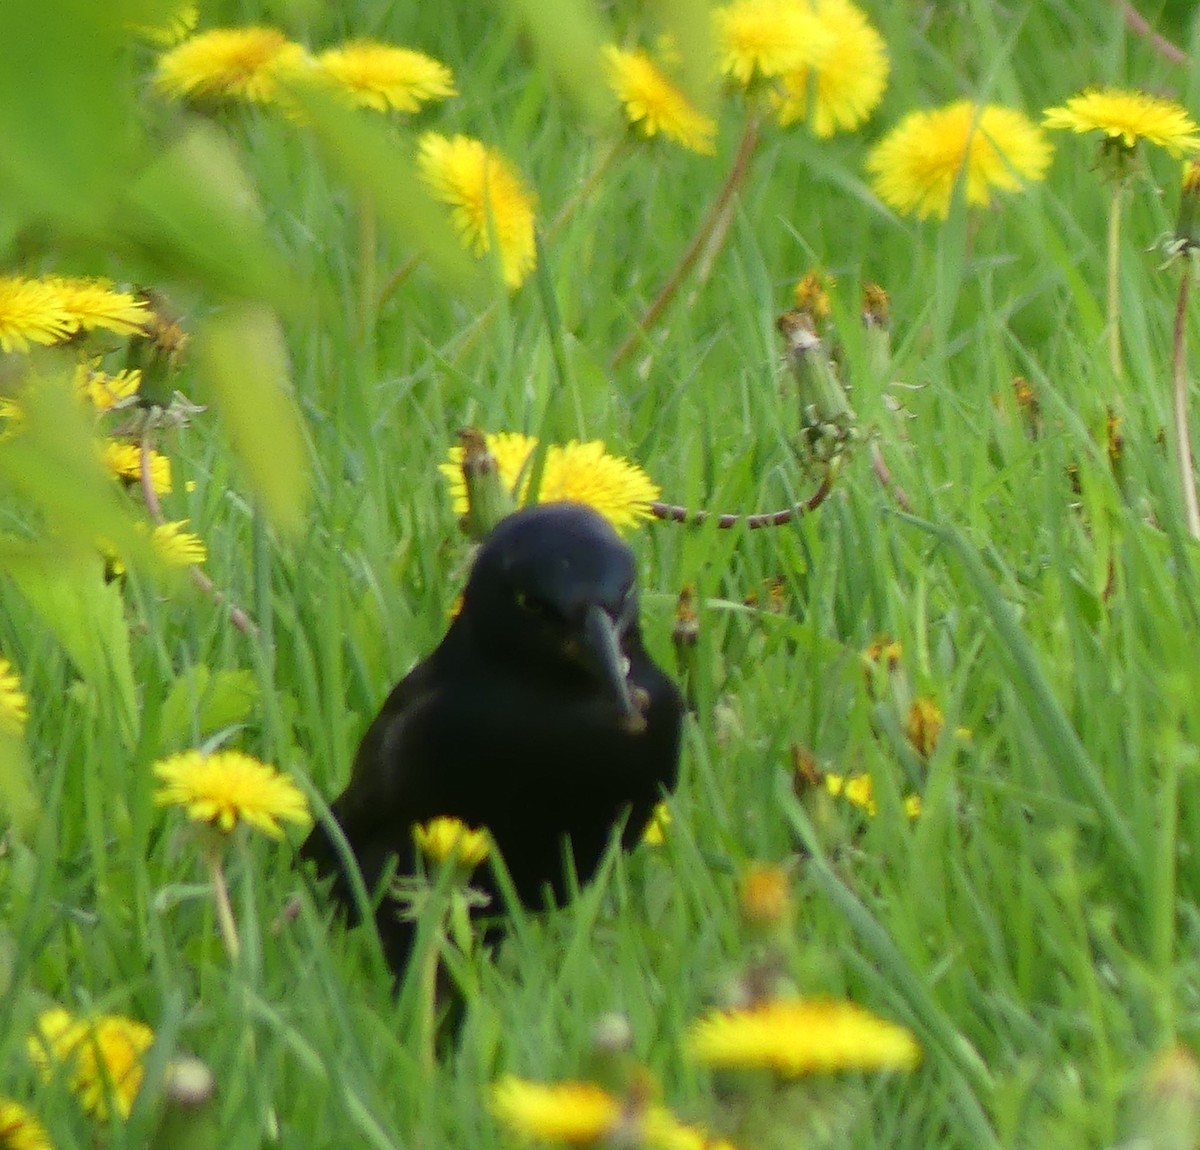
[{"x": 540, "y": 716}]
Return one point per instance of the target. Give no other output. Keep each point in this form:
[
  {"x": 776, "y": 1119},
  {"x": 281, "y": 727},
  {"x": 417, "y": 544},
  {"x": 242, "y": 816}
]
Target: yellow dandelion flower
[
  {"x": 802, "y": 1036},
  {"x": 103, "y": 1057},
  {"x": 917, "y": 166},
  {"x": 659, "y": 1129},
  {"x": 655, "y": 833},
  {"x": 653, "y": 104},
  {"x": 20, "y": 1130},
  {"x": 1128, "y": 117},
  {"x": 31, "y": 311},
  {"x": 858, "y": 790},
  {"x": 231, "y": 63},
  {"x": 578, "y": 1113},
  {"x": 227, "y": 788},
  {"x": 764, "y": 38},
  {"x": 446, "y": 838},
  {"x": 14, "y": 703},
  {"x": 182, "y": 22},
  {"x": 846, "y": 76},
  {"x": 176, "y": 547},
  {"x": 124, "y": 461},
  {"x": 382, "y": 76},
  {"x": 95, "y": 303},
  {"x": 103, "y": 391},
  {"x": 486, "y": 196},
  {"x": 577, "y": 472},
  {"x": 924, "y": 726}
]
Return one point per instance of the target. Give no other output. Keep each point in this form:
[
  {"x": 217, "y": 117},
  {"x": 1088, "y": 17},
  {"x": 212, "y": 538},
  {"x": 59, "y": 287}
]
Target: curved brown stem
[
  {"x": 674, "y": 513},
  {"x": 699, "y": 242},
  {"x": 880, "y": 467},
  {"x": 237, "y": 616},
  {"x": 1179, "y": 402},
  {"x": 1140, "y": 26}
]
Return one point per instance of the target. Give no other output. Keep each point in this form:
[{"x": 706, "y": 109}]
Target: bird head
[{"x": 553, "y": 592}]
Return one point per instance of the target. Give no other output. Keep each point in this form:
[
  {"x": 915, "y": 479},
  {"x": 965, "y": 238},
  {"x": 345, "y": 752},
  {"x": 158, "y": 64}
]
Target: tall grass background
[{"x": 1036, "y": 926}]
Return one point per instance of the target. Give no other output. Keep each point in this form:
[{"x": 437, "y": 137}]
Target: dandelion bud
[
  {"x": 487, "y": 500},
  {"x": 765, "y": 896},
  {"x": 685, "y": 636},
  {"x": 828, "y": 425}
]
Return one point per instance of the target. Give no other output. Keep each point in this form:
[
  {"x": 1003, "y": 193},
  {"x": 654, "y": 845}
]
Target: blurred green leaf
[
  {"x": 567, "y": 37},
  {"x": 193, "y": 211},
  {"x": 382, "y": 171},
  {"x": 242, "y": 358},
  {"x": 54, "y": 461},
  {"x": 18, "y": 804},
  {"x": 201, "y": 702},
  {"x": 67, "y": 109},
  {"x": 87, "y": 617}
]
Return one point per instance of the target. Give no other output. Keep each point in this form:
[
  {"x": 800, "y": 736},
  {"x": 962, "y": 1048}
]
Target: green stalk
[{"x": 1114, "y": 285}]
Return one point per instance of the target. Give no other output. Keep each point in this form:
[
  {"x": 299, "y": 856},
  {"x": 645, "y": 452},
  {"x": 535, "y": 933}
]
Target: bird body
[{"x": 539, "y": 716}]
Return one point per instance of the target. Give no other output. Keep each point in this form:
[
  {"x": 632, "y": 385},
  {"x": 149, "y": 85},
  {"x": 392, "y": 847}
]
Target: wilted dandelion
[
  {"x": 230, "y": 63},
  {"x": 383, "y": 76},
  {"x": 20, "y": 1130},
  {"x": 845, "y": 76},
  {"x": 765, "y": 895},
  {"x": 653, "y": 104},
  {"x": 102, "y": 1057},
  {"x": 924, "y": 725},
  {"x": 14, "y": 703},
  {"x": 917, "y": 166},
  {"x": 802, "y": 1036},
  {"x": 448, "y": 839},
  {"x": 226, "y": 788},
  {"x": 486, "y": 197},
  {"x": 577, "y": 472},
  {"x": 762, "y": 39}
]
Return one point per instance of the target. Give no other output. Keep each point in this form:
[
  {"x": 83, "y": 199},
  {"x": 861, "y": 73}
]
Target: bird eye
[{"x": 534, "y": 605}]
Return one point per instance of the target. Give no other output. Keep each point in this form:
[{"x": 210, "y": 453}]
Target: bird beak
[{"x": 601, "y": 649}]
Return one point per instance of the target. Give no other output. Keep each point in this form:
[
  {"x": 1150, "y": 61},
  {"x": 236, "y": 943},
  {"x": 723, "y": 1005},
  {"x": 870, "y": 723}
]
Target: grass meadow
[{"x": 1036, "y": 926}]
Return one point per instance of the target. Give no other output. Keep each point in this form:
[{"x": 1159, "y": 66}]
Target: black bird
[{"x": 540, "y": 716}]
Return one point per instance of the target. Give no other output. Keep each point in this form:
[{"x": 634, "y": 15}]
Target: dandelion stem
[
  {"x": 699, "y": 243},
  {"x": 1183, "y": 439},
  {"x": 880, "y": 467},
  {"x": 588, "y": 186},
  {"x": 427, "y": 1002},
  {"x": 225, "y": 920},
  {"x": 237, "y": 616},
  {"x": 368, "y": 250},
  {"x": 1140, "y": 26},
  {"x": 674, "y": 513},
  {"x": 1114, "y": 279}
]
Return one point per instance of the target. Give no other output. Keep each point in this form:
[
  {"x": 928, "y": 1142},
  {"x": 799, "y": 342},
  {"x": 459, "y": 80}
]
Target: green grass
[{"x": 1036, "y": 926}]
